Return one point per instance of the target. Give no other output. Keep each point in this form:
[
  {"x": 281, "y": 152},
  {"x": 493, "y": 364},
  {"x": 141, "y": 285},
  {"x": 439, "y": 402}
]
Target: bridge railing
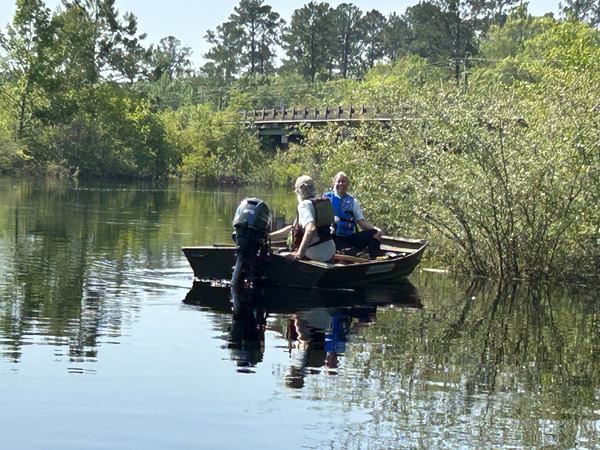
[{"x": 324, "y": 113}]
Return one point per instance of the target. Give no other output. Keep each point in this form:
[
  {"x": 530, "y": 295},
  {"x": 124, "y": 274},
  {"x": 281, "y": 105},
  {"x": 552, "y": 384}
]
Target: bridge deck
[{"x": 293, "y": 116}]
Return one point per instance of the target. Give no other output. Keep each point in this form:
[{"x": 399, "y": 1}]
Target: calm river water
[{"x": 104, "y": 343}]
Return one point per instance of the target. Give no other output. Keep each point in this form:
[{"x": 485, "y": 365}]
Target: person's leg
[
  {"x": 374, "y": 247},
  {"x": 364, "y": 239},
  {"x": 341, "y": 244}
]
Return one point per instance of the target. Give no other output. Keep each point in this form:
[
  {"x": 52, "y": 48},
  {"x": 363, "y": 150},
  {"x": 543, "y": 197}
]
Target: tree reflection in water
[
  {"x": 498, "y": 363},
  {"x": 92, "y": 278},
  {"x": 479, "y": 363}
]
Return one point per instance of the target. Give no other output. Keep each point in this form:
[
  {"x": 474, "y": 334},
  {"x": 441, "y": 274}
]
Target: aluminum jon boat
[{"x": 398, "y": 258}]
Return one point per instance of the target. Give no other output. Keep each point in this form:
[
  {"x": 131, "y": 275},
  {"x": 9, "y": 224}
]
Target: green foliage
[
  {"x": 25, "y": 68},
  {"x": 169, "y": 59},
  {"x": 9, "y": 156},
  {"x": 310, "y": 40},
  {"x": 215, "y": 146},
  {"x": 245, "y": 43},
  {"x": 514, "y": 37},
  {"x": 374, "y": 26},
  {"x": 93, "y": 43},
  {"x": 570, "y": 47},
  {"x": 173, "y": 93},
  {"x": 504, "y": 179},
  {"x": 259, "y": 26},
  {"x": 493, "y": 157},
  {"x": 104, "y": 131},
  {"x": 581, "y": 10},
  {"x": 389, "y": 87},
  {"x": 503, "y": 191},
  {"x": 269, "y": 91},
  {"x": 348, "y": 23}
]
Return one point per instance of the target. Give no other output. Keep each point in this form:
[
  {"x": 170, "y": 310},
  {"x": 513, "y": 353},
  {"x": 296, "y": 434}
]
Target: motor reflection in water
[{"x": 317, "y": 324}]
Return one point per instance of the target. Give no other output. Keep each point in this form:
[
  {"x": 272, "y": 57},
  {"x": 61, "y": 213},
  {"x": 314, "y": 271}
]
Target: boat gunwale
[{"x": 409, "y": 253}]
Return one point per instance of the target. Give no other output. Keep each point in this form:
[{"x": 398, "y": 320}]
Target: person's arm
[
  {"x": 282, "y": 233},
  {"x": 367, "y": 226},
  {"x": 362, "y": 222},
  {"x": 309, "y": 231}
]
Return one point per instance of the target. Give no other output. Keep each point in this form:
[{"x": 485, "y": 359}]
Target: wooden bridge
[
  {"x": 286, "y": 122},
  {"x": 318, "y": 114}
]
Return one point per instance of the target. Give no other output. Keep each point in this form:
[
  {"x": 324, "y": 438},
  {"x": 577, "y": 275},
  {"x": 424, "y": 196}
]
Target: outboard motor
[{"x": 252, "y": 223}]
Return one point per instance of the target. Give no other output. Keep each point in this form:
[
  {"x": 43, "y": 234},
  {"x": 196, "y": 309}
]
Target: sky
[{"x": 189, "y": 20}]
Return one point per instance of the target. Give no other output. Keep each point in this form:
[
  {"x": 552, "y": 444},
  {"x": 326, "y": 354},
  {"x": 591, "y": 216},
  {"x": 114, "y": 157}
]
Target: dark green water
[{"x": 104, "y": 343}]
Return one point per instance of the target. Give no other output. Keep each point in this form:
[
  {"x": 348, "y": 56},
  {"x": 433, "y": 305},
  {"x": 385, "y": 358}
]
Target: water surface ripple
[{"x": 106, "y": 342}]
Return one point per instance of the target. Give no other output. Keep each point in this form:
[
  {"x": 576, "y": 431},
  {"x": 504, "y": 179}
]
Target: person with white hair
[
  {"x": 311, "y": 233},
  {"x": 348, "y": 218}
]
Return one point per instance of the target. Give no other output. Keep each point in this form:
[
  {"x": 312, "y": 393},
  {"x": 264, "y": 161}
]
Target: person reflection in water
[
  {"x": 336, "y": 338},
  {"x": 315, "y": 340}
]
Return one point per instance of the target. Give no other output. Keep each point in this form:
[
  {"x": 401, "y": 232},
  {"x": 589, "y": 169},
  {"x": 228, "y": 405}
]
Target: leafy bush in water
[
  {"x": 215, "y": 147},
  {"x": 503, "y": 178}
]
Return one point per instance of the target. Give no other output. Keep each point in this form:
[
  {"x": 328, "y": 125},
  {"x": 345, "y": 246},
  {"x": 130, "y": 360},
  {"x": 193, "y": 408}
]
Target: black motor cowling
[{"x": 252, "y": 223}]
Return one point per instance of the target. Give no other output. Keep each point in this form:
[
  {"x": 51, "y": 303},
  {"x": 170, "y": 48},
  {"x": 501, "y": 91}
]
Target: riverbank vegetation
[{"x": 493, "y": 151}]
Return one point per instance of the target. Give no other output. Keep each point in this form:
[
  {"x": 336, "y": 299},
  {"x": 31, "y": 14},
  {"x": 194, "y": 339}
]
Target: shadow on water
[
  {"x": 316, "y": 323},
  {"x": 281, "y": 299}
]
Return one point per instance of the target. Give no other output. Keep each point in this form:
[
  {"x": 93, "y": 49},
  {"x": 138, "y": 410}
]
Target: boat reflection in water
[{"x": 317, "y": 323}]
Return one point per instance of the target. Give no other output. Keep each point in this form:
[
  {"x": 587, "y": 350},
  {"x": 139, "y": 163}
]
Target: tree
[
  {"x": 309, "y": 41},
  {"x": 245, "y": 43},
  {"x": 496, "y": 12},
  {"x": 347, "y": 20},
  {"x": 515, "y": 36},
  {"x": 215, "y": 147},
  {"x": 460, "y": 25},
  {"x": 129, "y": 57},
  {"x": 429, "y": 37},
  {"x": 110, "y": 132},
  {"x": 582, "y": 10},
  {"x": 169, "y": 58},
  {"x": 397, "y": 37},
  {"x": 373, "y": 26},
  {"x": 258, "y": 24},
  {"x": 26, "y": 66},
  {"x": 225, "y": 54},
  {"x": 442, "y": 30},
  {"x": 93, "y": 44},
  {"x": 269, "y": 38}
]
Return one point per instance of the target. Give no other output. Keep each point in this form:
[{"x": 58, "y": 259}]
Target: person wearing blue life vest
[{"x": 348, "y": 218}]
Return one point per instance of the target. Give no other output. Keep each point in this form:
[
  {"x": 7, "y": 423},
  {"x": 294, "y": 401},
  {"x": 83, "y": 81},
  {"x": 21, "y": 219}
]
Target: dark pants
[{"x": 357, "y": 242}]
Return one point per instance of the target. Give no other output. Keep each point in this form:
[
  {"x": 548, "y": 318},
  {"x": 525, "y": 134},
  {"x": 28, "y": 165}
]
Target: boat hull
[{"x": 215, "y": 263}]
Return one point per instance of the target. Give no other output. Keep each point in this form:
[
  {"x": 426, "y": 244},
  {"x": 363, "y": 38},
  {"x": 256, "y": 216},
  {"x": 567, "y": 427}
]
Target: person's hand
[
  {"x": 293, "y": 256},
  {"x": 379, "y": 234}
]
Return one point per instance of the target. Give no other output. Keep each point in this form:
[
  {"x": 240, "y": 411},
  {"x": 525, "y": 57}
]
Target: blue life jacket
[{"x": 344, "y": 209}]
